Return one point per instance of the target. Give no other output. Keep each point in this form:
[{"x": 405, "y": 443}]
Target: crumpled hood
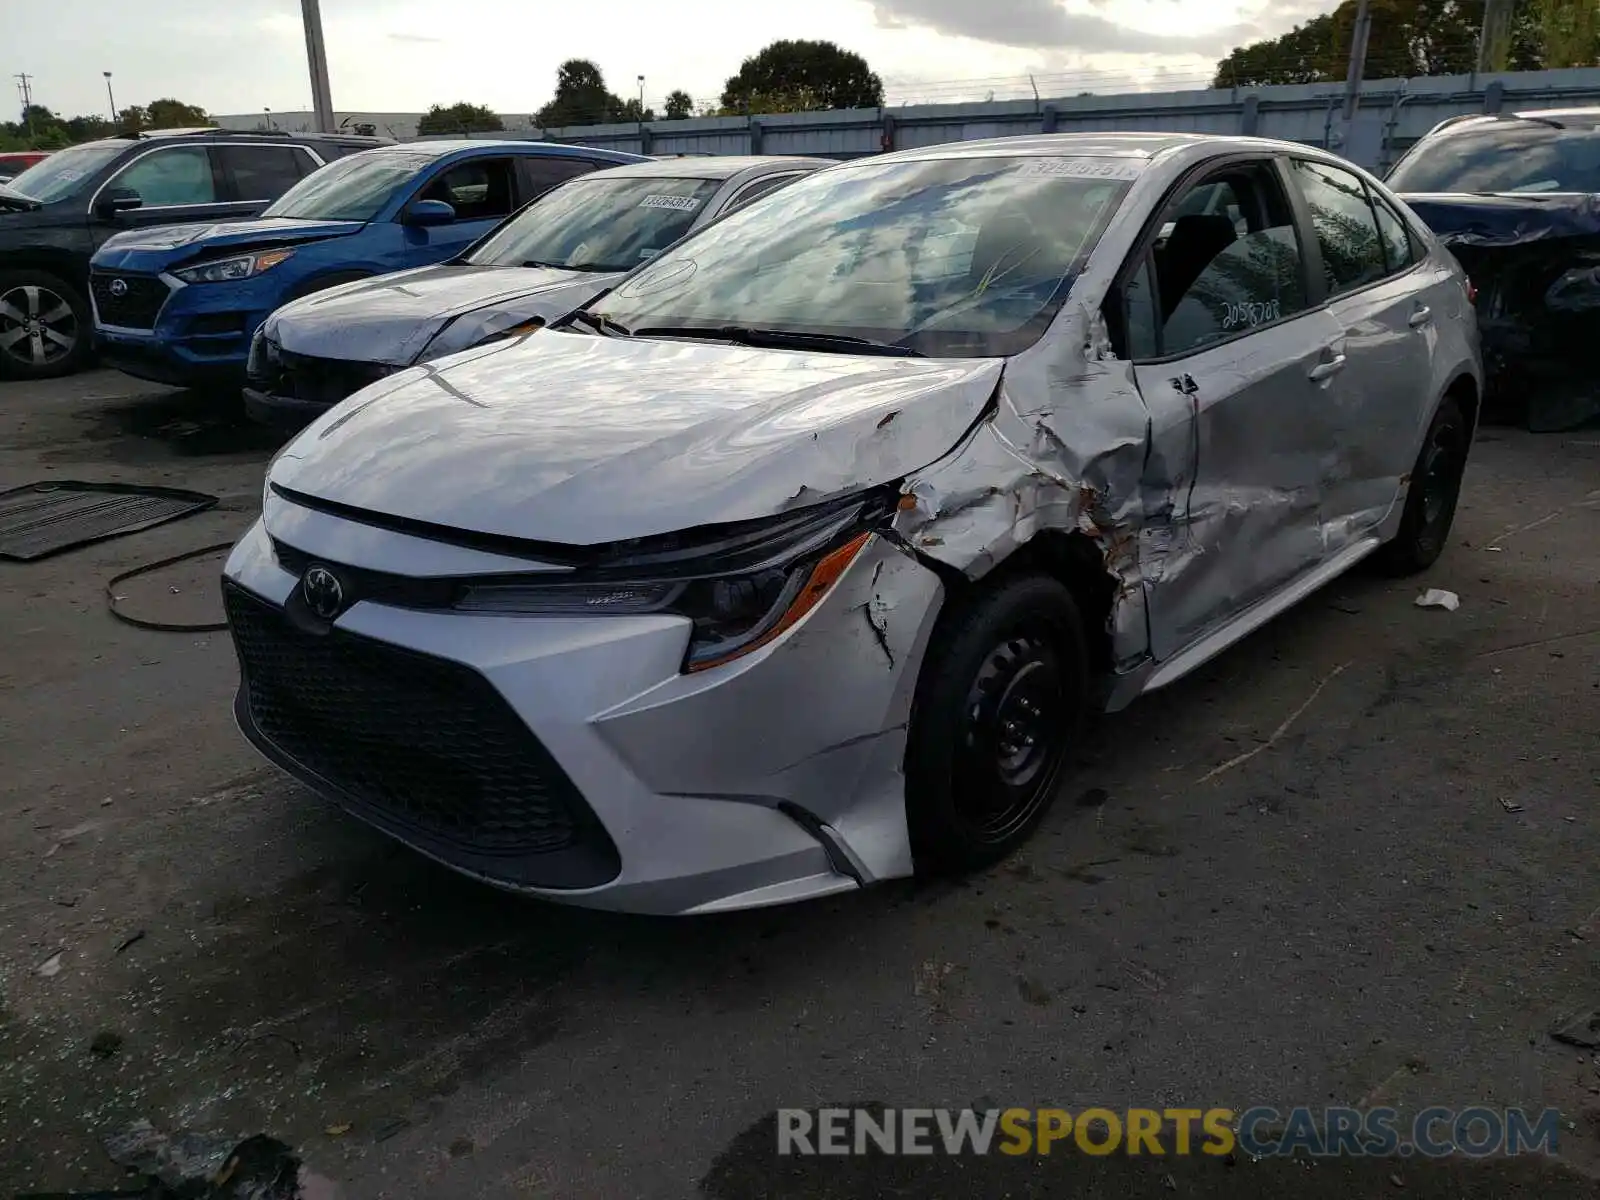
[
  {"x": 1506, "y": 219},
  {"x": 563, "y": 437},
  {"x": 391, "y": 319},
  {"x": 160, "y": 245}
]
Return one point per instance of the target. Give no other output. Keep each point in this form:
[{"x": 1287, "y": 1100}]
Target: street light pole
[
  {"x": 109, "y": 97},
  {"x": 317, "y": 58},
  {"x": 1358, "y": 60}
]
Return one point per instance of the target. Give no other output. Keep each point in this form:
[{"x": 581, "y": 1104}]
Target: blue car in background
[{"x": 178, "y": 304}]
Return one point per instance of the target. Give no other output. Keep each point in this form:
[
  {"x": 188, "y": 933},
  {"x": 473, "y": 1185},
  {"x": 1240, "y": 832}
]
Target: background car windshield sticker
[{"x": 680, "y": 203}]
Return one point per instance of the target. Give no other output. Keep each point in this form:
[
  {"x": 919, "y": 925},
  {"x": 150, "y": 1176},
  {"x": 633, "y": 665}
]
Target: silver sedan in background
[{"x": 796, "y": 561}]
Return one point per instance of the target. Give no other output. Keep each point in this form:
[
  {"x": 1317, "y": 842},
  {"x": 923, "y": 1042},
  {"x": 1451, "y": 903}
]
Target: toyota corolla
[{"x": 795, "y": 562}]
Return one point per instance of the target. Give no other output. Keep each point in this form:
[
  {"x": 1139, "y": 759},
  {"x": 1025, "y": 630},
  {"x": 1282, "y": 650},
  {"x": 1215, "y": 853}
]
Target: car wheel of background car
[
  {"x": 44, "y": 326},
  {"x": 1431, "y": 500},
  {"x": 1001, "y": 698}
]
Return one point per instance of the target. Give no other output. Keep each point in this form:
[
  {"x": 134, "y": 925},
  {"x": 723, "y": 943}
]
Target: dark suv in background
[{"x": 54, "y": 215}]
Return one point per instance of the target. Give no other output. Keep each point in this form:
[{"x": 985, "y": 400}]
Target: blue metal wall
[{"x": 1394, "y": 113}]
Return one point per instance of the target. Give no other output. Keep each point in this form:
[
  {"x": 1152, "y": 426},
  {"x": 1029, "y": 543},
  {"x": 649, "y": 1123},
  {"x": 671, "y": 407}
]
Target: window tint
[
  {"x": 757, "y": 188},
  {"x": 263, "y": 172},
  {"x": 1225, "y": 266},
  {"x": 1503, "y": 155},
  {"x": 1396, "y": 242},
  {"x": 181, "y": 175},
  {"x": 476, "y": 190},
  {"x": 1347, "y": 232},
  {"x": 539, "y": 175}
]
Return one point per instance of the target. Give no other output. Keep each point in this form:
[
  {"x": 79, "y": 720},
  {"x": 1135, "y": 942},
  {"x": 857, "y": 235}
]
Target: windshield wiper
[
  {"x": 783, "y": 339},
  {"x": 598, "y": 322}
]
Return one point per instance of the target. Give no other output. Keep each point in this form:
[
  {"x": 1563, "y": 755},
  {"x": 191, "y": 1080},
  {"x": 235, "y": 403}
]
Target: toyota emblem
[
  {"x": 119, "y": 287},
  {"x": 324, "y": 594}
]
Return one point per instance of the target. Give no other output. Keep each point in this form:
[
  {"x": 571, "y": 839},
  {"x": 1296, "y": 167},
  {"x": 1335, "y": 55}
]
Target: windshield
[
  {"x": 65, "y": 171},
  {"x": 354, "y": 188},
  {"x": 1503, "y": 156},
  {"x": 597, "y": 224},
  {"x": 958, "y": 257}
]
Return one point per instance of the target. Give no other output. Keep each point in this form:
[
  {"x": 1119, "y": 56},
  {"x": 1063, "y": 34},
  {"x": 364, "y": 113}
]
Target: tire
[
  {"x": 1433, "y": 494},
  {"x": 37, "y": 311},
  {"x": 998, "y": 710}
]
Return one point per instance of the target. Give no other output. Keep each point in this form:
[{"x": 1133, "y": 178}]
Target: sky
[{"x": 241, "y": 56}]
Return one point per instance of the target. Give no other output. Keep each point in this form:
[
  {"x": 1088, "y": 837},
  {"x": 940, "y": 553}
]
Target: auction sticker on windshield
[
  {"x": 681, "y": 203},
  {"x": 1080, "y": 168}
]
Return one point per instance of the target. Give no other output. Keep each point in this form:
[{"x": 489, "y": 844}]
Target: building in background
[{"x": 394, "y": 125}]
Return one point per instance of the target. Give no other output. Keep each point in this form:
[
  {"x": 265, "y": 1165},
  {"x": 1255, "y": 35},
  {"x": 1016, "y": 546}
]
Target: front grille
[
  {"x": 425, "y": 744},
  {"x": 305, "y": 377},
  {"x": 136, "y": 308}
]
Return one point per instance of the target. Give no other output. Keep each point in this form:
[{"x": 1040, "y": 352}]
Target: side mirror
[
  {"x": 115, "y": 200},
  {"x": 423, "y": 213}
]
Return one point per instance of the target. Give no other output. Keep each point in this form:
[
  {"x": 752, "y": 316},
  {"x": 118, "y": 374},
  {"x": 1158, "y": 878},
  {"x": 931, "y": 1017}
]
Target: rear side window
[
  {"x": 476, "y": 190},
  {"x": 757, "y": 188},
  {"x": 263, "y": 172},
  {"x": 539, "y": 174},
  {"x": 1397, "y": 251},
  {"x": 1347, "y": 231}
]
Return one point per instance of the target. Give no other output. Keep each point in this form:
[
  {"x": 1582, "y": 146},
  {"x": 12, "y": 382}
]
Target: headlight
[
  {"x": 740, "y": 592},
  {"x": 222, "y": 270}
]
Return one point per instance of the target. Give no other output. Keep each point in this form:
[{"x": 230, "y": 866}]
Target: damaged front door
[{"x": 1233, "y": 362}]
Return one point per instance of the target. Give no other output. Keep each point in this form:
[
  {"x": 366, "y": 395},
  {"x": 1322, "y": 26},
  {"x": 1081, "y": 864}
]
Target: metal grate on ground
[{"x": 41, "y": 519}]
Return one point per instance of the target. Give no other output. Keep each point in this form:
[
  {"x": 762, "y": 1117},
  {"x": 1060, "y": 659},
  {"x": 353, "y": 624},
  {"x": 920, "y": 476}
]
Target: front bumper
[{"x": 773, "y": 778}]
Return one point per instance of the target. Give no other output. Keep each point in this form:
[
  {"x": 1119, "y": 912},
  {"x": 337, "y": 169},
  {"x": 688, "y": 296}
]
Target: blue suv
[{"x": 178, "y": 304}]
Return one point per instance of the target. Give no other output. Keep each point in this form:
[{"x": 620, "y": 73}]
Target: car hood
[
  {"x": 564, "y": 437},
  {"x": 165, "y": 243},
  {"x": 1506, "y": 219},
  {"x": 391, "y": 319}
]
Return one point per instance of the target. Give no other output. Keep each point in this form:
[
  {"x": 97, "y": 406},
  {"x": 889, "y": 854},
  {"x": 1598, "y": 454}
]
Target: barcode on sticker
[
  {"x": 1079, "y": 168},
  {"x": 680, "y": 203}
]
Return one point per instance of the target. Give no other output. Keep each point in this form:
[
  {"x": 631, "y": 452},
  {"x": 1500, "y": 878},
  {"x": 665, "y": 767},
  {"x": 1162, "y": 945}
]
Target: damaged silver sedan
[{"x": 795, "y": 562}]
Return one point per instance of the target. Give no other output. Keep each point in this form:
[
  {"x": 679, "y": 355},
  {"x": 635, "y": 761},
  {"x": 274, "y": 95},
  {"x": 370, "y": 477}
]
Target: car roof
[
  {"x": 720, "y": 166},
  {"x": 443, "y": 146},
  {"x": 1145, "y": 146}
]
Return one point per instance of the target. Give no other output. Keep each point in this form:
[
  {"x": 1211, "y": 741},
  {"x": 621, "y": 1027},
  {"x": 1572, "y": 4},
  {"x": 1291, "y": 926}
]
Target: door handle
[
  {"x": 1327, "y": 369},
  {"x": 1421, "y": 317}
]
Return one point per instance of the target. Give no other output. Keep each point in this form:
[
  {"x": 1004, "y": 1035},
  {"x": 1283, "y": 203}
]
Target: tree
[
  {"x": 801, "y": 76},
  {"x": 582, "y": 99},
  {"x": 1407, "y": 38},
  {"x": 679, "y": 105},
  {"x": 174, "y": 114},
  {"x": 1569, "y": 31},
  {"x": 460, "y": 118}
]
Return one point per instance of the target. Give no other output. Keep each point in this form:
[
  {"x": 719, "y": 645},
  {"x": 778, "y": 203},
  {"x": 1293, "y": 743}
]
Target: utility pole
[
  {"x": 1494, "y": 42},
  {"x": 26, "y": 92},
  {"x": 317, "y": 57},
  {"x": 112, "y": 99},
  {"x": 1358, "y": 60}
]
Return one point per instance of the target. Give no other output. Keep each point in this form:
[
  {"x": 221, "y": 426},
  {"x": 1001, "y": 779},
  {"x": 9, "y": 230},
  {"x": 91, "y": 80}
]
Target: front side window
[
  {"x": 477, "y": 190},
  {"x": 168, "y": 178},
  {"x": 356, "y": 188},
  {"x": 597, "y": 224},
  {"x": 758, "y": 188},
  {"x": 540, "y": 173},
  {"x": 959, "y": 257},
  {"x": 1503, "y": 155},
  {"x": 1224, "y": 265},
  {"x": 1347, "y": 231},
  {"x": 65, "y": 171}
]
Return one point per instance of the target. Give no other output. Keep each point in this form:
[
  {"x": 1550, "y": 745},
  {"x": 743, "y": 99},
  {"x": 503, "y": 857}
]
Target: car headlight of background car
[
  {"x": 224, "y": 270},
  {"x": 740, "y": 590}
]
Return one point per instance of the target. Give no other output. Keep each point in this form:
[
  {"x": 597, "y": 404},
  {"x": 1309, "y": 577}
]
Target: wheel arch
[{"x": 1078, "y": 562}]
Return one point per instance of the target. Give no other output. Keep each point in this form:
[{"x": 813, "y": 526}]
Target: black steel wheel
[
  {"x": 44, "y": 326},
  {"x": 1435, "y": 490},
  {"x": 999, "y": 706}
]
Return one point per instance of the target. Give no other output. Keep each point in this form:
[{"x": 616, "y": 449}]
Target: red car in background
[{"x": 15, "y": 162}]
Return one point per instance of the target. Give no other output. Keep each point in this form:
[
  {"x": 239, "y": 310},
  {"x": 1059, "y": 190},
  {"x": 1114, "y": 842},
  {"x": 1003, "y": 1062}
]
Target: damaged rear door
[{"x": 1233, "y": 353}]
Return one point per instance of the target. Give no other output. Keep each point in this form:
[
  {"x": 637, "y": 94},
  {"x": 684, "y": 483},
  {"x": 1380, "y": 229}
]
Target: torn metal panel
[{"x": 1535, "y": 260}]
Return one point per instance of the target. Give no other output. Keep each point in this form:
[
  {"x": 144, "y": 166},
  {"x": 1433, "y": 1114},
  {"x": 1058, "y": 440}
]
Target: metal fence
[{"x": 1393, "y": 113}]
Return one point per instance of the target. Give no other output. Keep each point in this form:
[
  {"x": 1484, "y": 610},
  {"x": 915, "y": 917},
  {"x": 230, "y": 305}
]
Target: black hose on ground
[{"x": 163, "y": 626}]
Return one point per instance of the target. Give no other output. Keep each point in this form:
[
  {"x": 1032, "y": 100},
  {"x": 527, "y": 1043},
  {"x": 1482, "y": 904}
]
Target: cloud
[
  {"x": 414, "y": 37},
  {"x": 1046, "y": 24}
]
